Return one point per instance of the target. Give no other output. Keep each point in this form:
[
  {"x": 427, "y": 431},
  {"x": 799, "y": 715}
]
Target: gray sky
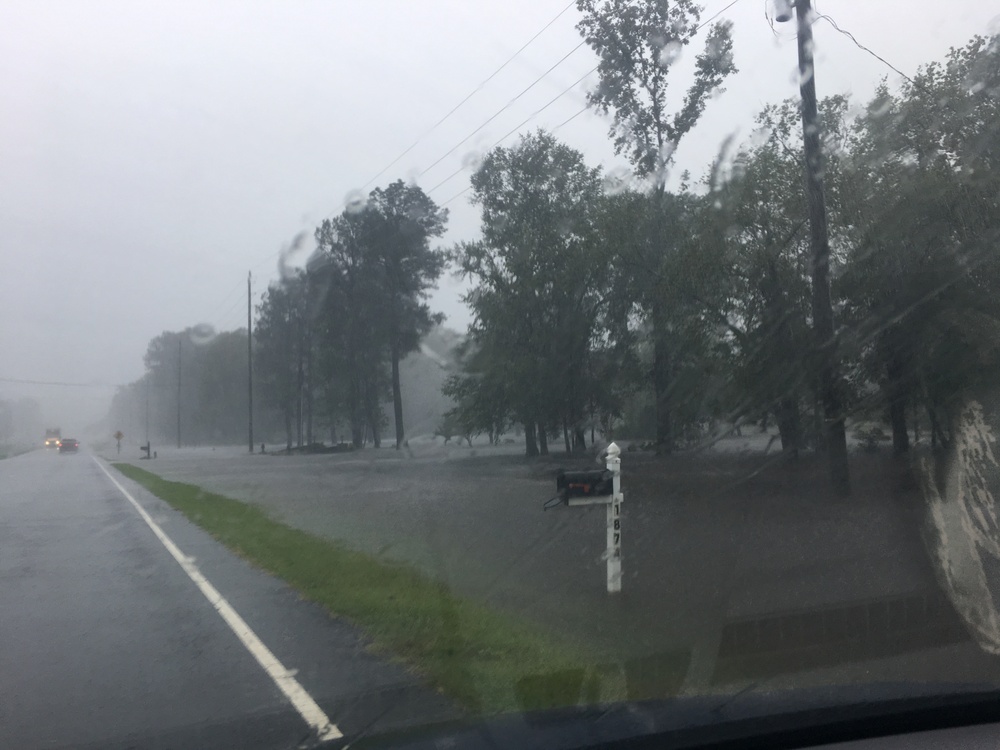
[{"x": 152, "y": 153}]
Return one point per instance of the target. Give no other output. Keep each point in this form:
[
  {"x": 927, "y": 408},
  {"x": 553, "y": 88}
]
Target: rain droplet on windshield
[
  {"x": 670, "y": 53},
  {"x": 293, "y": 256},
  {"x": 617, "y": 180},
  {"x": 759, "y": 136},
  {"x": 882, "y": 109},
  {"x": 355, "y": 202},
  {"x": 473, "y": 160},
  {"x": 202, "y": 334}
]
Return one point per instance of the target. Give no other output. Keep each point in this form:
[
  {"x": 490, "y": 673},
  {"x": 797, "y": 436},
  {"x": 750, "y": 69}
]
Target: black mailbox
[{"x": 584, "y": 483}]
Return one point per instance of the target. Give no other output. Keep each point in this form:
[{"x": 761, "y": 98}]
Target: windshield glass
[{"x": 443, "y": 362}]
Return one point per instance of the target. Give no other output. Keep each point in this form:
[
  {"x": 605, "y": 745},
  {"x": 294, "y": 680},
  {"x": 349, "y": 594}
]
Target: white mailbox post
[
  {"x": 613, "y": 502},
  {"x": 615, "y": 521}
]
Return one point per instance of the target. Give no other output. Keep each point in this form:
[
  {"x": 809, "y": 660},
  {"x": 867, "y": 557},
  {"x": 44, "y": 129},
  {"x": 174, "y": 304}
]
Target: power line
[
  {"x": 469, "y": 95},
  {"x": 496, "y": 114},
  {"x": 224, "y": 299},
  {"x": 703, "y": 24},
  {"x": 500, "y": 111},
  {"x": 524, "y": 122},
  {"x": 503, "y": 109},
  {"x": 457, "y": 195},
  {"x": 552, "y": 101},
  {"x": 228, "y": 313},
  {"x": 539, "y": 111},
  {"x": 570, "y": 119},
  {"x": 859, "y": 45}
]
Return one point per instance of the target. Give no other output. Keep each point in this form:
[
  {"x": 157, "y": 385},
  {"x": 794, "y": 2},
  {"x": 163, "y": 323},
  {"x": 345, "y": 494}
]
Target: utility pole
[
  {"x": 147, "y": 408},
  {"x": 822, "y": 307},
  {"x": 180, "y": 341},
  {"x": 249, "y": 364}
]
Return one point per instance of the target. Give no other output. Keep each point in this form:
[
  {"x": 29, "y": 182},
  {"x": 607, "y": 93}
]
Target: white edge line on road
[{"x": 300, "y": 699}]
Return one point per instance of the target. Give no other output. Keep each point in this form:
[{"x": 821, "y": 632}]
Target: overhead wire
[
  {"x": 521, "y": 124},
  {"x": 860, "y": 46},
  {"x": 470, "y": 94},
  {"x": 496, "y": 114},
  {"x": 536, "y": 113},
  {"x": 503, "y": 109},
  {"x": 711, "y": 18},
  {"x": 223, "y": 300}
]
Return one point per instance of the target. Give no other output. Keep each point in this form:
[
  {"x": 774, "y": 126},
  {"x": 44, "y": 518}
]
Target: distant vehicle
[
  {"x": 69, "y": 445},
  {"x": 52, "y": 438}
]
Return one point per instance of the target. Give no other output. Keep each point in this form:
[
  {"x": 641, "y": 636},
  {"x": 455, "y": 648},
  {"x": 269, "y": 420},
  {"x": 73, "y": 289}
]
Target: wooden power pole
[
  {"x": 822, "y": 306},
  {"x": 249, "y": 365}
]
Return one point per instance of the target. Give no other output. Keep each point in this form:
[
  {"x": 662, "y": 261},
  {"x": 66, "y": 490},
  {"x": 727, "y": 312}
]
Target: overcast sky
[{"x": 152, "y": 153}]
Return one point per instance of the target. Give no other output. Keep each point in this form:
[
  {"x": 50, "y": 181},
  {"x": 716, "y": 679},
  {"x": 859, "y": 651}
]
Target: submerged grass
[{"x": 487, "y": 661}]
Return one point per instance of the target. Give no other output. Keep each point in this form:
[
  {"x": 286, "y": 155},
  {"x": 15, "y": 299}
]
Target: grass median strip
[{"x": 487, "y": 661}]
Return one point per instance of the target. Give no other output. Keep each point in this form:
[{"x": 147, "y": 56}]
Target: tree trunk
[
  {"x": 569, "y": 448},
  {"x": 900, "y": 435},
  {"x": 581, "y": 441},
  {"x": 819, "y": 433},
  {"x": 372, "y": 411},
  {"x": 938, "y": 438},
  {"x": 543, "y": 441},
  {"x": 897, "y": 405},
  {"x": 298, "y": 405},
  {"x": 661, "y": 384},
  {"x": 789, "y": 426},
  {"x": 357, "y": 417},
  {"x": 397, "y": 396},
  {"x": 288, "y": 427},
  {"x": 309, "y": 389},
  {"x": 530, "y": 445}
]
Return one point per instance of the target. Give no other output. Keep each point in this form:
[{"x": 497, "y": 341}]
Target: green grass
[{"x": 487, "y": 661}]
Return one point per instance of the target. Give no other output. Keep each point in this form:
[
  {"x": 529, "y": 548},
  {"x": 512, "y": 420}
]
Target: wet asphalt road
[{"x": 105, "y": 641}]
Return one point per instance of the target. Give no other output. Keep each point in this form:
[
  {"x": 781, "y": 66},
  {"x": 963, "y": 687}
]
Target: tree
[
  {"x": 923, "y": 283},
  {"x": 540, "y": 279},
  {"x": 400, "y": 220},
  {"x": 211, "y": 410},
  {"x": 482, "y": 403},
  {"x": 637, "y": 41},
  {"x": 279, "y": 355},
  {"x": 691, "y": 298},
  {"x": 346, "y": 296},
  {"x": 221, "y": 415},
  {"x": 768, "y": 313}
]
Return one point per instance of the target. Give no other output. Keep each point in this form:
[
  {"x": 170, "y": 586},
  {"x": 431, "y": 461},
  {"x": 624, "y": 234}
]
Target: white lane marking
[{"x": 283, "y": 678}]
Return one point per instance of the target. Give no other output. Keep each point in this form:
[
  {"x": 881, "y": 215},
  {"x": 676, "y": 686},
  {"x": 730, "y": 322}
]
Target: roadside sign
[{"x": 118, "y": 438}]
